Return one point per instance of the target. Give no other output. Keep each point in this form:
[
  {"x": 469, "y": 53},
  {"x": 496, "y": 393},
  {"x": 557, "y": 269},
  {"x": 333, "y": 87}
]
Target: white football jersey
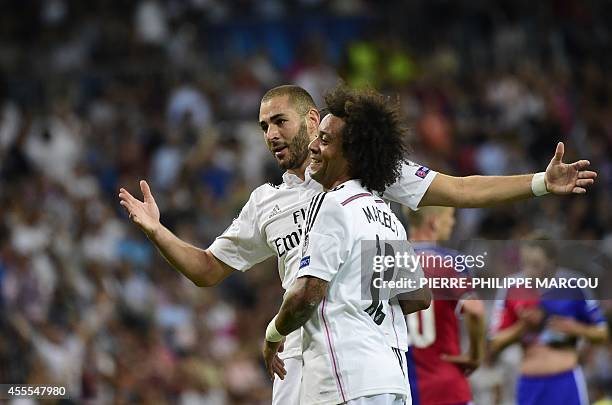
[
  {"x": 346, "y": 350},
  {"x": 270, "y": 224}
]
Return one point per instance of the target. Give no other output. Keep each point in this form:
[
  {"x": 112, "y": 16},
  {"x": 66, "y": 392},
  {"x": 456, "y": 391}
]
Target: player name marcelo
[
  {"x": 487, "y": 282},
  {"x": 375, "y": 214}
]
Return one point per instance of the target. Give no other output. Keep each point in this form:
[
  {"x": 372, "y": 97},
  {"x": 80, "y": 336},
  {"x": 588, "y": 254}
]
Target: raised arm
[
  {"x": 198, "y": 265},
  {"x": 484, "y": 191}
]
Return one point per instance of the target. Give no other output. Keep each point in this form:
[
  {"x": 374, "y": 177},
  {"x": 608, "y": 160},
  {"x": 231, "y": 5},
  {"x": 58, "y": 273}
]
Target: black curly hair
[{"x": 374, "y": 137}]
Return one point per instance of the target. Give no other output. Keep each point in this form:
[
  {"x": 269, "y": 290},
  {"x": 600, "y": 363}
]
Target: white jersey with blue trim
[
  {"x": 346, "y": 349},
  {"x": 270, "y": 224}
]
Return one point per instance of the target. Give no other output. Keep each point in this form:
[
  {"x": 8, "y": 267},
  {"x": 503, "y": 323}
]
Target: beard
[{"x": 298, "y": 149}]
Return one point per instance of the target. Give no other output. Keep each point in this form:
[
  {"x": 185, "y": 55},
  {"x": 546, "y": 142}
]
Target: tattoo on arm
[{"x": 299, "y": 304}]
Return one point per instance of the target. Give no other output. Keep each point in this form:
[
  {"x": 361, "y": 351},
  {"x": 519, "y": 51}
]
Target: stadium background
[{"x": 99, "y": 94}]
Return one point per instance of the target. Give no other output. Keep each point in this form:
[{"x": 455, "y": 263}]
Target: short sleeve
[
  {"x": 242, "y": 245},
  {"x": 591, "y": 313},
  {"x": 410, "y": 188},
  {"x": 325, "y": 236}
]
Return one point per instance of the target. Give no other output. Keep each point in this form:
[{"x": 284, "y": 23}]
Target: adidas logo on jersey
[{"x": 275, "y": 211}]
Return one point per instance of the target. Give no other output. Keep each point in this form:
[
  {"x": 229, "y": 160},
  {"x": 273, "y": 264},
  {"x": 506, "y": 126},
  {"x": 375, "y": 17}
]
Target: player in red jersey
[{"x": 437, "y": 368}]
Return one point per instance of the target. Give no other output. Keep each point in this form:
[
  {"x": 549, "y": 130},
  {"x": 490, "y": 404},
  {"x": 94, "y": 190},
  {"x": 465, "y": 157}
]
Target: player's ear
[
  {"x": 313, "y": 119},
  {"x": 433, "y": 224}
]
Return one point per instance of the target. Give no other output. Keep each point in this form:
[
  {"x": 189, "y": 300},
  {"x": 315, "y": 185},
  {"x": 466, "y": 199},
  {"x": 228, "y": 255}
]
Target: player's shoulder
[
  {"x": 338, "y": 199},
  {"x": 575, "y": 294},
  {"x": 348, "y": 192},
  {"x": 267, "y": 192},
  {"x": 410, "y": 168},
  {"x": 564, "y": 272},
  {"x": 329, "y": 202},
  {"x": 268, "y": 188},
  {"x": 268, "y": 198},
  {"x": 322, "y": 202}
]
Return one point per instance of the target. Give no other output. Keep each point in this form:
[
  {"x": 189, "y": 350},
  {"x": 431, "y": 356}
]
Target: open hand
[
  {"x": 145, "y": 213},
  {"x": 568, "y": 178}
]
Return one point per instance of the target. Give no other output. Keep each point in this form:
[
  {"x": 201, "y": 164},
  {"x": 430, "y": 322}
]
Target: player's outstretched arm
[
  {"x": 198, "y": 265},
  {"x": 484, "y": 191}
]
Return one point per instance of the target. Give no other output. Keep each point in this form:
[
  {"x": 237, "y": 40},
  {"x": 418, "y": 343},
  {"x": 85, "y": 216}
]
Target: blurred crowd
[{"x": 97, "y": 95}]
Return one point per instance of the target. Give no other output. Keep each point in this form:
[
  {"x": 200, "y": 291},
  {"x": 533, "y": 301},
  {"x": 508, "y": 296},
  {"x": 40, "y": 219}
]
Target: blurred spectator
[
  {"x": 188, "y": 105},
  {"x": 312, "y": 72}
]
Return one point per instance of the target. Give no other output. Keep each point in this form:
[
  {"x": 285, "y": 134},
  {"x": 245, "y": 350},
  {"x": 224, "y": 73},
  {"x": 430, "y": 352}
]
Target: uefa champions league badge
[{"x": 422, "y": 172}]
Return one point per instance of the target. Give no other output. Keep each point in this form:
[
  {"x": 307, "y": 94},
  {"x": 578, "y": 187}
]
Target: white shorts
[
  {"x": 379, "y": 399},
  {"x": 287, "y": 391}
]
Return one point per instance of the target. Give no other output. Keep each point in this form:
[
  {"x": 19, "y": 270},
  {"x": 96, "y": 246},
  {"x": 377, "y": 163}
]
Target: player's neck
[
  {"x": 300, "y": 171},
  {"x": 338, "y": 181}
]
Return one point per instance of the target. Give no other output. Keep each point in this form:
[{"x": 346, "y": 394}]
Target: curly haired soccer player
[
  {"x": 269, "y": 223},
  {"x": 347, "y": 357}
]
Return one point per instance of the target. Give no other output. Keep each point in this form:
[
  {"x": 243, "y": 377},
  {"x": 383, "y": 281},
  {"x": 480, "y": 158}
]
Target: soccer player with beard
[
  {"x": 270, "y": 222},
  {"x": 347, "y": 356}
]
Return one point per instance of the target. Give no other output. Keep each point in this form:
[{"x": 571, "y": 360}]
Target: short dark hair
[
  {"x": 374, "y": 137},
  {"x": 542, "y": 240},
  {"x": 416, "y": 218},
  {"x": 298, "y": 97}
]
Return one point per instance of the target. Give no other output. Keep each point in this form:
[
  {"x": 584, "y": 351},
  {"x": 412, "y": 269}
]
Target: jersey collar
[
  {"x": 349, "y": 183},
  {"x": 291, "y": 180}
]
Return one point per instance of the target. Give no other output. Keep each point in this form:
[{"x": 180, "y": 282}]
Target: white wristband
[
  {"x": 272, "y": 335},
  {"x": 538, "y": 184}
]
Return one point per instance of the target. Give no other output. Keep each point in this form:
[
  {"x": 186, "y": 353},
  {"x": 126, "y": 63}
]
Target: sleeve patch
[
  {"x": 304, "y": 262},
  {"x": 422, "y": 172}
]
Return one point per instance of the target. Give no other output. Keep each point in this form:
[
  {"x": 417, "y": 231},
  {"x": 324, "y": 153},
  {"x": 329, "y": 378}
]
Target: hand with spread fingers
[
  {"x": 145, "y": 213},
  {"x": 568, "y": 178}
]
